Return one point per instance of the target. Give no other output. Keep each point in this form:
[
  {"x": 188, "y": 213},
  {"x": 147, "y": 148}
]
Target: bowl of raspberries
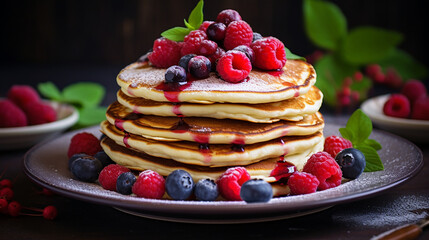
[
  {"x": 27, "y": 119},
  {"x": 405, "y": 113}
]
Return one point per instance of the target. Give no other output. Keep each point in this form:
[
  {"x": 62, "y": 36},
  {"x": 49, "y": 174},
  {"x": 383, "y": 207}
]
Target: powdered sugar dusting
[{"x": 256, "y": 82}]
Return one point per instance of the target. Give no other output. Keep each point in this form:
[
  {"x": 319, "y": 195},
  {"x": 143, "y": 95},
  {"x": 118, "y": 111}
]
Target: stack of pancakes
[{"x": 267, "y": 123}]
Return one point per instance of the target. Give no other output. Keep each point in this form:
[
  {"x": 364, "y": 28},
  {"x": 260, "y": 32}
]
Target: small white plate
[
  {"x": 412, "y": 129},
  {"x": 27, "y": 136}
]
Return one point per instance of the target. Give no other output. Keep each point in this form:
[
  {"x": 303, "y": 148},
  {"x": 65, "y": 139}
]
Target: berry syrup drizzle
[
  {"x": 173, "y": 90},
  {"x": 283, "y": 170}
]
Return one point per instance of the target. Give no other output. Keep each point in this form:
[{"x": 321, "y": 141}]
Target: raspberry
[
  {"x": 234, "y": 66},
  {"x": 227, "y": 16},
  {"x": 192, "y": 41},
  {"x": 22, "y": 94},
  {"x": 84, "y": 143},
  {"x": 325, "y": 168},
  {"x": 165, "y": 53},
  {"x": 39, "y": 113},
  {"x": 230, "y": 182},
  {"x": 205, "y": 25},
  {"x": 50, "y": 212},
  {"x": 397, "y": 106},
  {"x": 238, "y": 33},
  {"x": 413, "y": 90},
  {"x": 270, "y": 53},
  {"x": 334, "y": 145},
  {"x": 110, "y": 174},
  {"x": 149, "y": 184},
  {"x": 11, "y": 115},
  {"x": 246, "y": 50},
  {"x": 302, "y": 183},
  {"x": 421, "y": 109}
]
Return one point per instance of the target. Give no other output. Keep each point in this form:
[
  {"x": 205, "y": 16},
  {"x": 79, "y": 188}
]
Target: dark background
[{"x": 90, "y": 40}]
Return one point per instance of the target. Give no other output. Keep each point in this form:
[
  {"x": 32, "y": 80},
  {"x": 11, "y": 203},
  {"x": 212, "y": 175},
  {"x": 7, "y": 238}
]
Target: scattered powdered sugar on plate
[{"x": 388, "y": 211}]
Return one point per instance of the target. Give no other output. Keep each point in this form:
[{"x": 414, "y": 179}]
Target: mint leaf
[
  {"x": 176, "y": 34},
  {"x": 91, "y": 116},
  {"x": 373, "y": 161},
  {"x": 372, "y": 143},
  {"x": 325, "y": 24},
  {"x": 361, "y": 126},
  {"x": 405, "y": 64},
  {"x": 330, "y": 73},
  {"x": 357, "y": 130},
  {"x": 87, "y": 94},
  {"x": 290, "y": 55},
  {"x": 196, "y": 17},
  {"x": 346, "y": 133},
  {"x": 365, "y": 45},
  {"x": 194, "y": 21},
  {"x": 50, "y": 91}
]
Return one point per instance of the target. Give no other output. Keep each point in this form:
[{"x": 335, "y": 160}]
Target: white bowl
[
  {"x": 412, "y": 129},
  {"x": 27, "y": 136}
]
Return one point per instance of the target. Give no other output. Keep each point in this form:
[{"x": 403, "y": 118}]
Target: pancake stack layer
[{"x": 267, "y": 123}]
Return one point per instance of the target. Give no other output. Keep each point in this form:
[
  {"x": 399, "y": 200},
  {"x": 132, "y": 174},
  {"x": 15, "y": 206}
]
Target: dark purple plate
[{"x": 46, "y": 164}]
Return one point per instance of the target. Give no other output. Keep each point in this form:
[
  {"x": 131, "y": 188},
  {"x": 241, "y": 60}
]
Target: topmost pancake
[{"x": 296, "y": 78}]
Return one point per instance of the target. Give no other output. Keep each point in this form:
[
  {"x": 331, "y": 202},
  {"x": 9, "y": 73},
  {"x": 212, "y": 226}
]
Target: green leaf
[
  {"x": 325, "y": 24},
  {"x": 361, "y": 126},
  {"x": 87, "y": 94},
  {"x": 49, "y": 90},
  {"x": 346, "y": 133},
  {"x": 372, "y": 143},
  {"x": 189, "y": 26},
  {"x": 91, "y": 116},
  {"x": 365, "y": 45},
  {"x": 373, "y": 161},
  {"x": 196, "y": 17},
  {"x": 292, "y": 56},
  {"x": 405, "y": 65},
  {"x": 357, "y": 130},
  {"x": 330, "y": 75},
  {"x": 176, "y": 34}
]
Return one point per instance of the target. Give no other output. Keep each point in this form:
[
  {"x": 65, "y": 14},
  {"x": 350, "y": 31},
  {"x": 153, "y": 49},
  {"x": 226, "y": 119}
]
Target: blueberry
[
  {"x": 256, "y": 36},
  {"x": 86, "y": 169},
  {"x": 216, "y": 32},
  {"x": 250, "y": 54},
  {"x": 184, "y": 61},
  {"x": 206, "y": 190},
  {"x": 199, "y": 67},
  {"x": 76, "y": 156},
  {"x": 175, "y": 74},
  {"x": 125, "y": 182},
  {"x": 104, "y": 158},
  {"x": 179, "y": 185},
  {"x": 352, "y": 162},
  {"x": 256, "y": 190}
]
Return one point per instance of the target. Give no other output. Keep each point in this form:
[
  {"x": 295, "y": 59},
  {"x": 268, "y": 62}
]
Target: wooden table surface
[{"x": 362, "y": 219}]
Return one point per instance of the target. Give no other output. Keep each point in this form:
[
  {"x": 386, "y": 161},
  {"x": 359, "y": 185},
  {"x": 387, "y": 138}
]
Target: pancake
[
  {"x": 141, "y": 161},
  {"x": 294, "y": 79},
  {"x": 293, "y": 109},
  {"x": 208, "y": 130},
  {"x": 214, "y": 155}
]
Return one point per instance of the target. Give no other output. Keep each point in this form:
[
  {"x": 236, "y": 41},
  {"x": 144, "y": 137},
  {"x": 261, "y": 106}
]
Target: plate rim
[{"x": 161, "y": 206}]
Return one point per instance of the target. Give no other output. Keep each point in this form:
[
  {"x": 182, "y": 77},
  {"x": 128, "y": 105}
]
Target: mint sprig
[
  {"x": 194, "y": 21},
  {"x": 85, "y": 96},
  {"x": 357, "y": 130}
]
